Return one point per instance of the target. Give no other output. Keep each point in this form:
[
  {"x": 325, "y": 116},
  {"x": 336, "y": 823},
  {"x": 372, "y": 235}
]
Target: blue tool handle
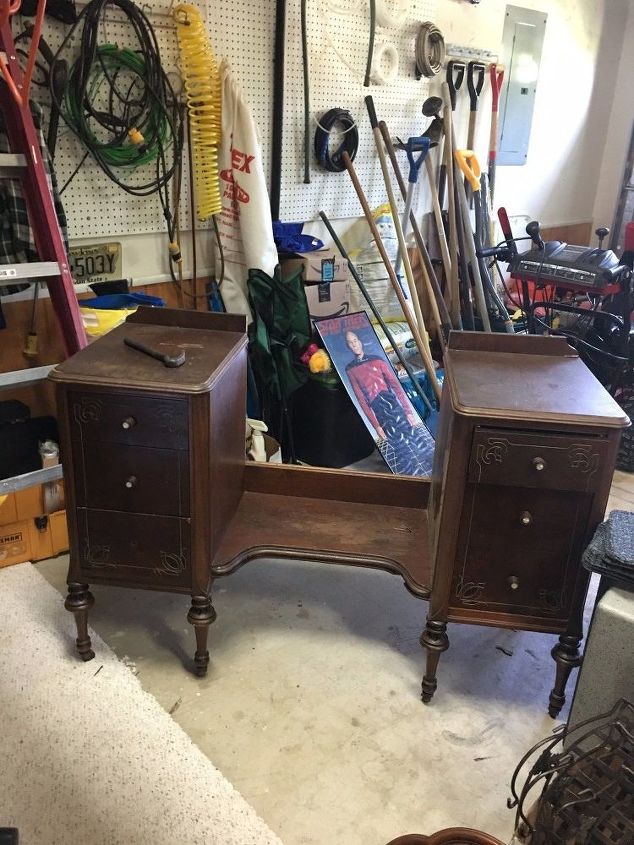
[{"x": 421, "y": 145}]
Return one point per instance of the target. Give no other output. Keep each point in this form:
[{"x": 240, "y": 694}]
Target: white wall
[
  {"x": 582, "y": 46},
  {"x": 618, "y": 132}
]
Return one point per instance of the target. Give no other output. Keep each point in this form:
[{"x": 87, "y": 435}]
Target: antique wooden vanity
[{"x": 160, "y": 495}]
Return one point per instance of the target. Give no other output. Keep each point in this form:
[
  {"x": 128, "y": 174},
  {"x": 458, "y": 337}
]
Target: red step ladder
[{"x": 25, "y": 162}]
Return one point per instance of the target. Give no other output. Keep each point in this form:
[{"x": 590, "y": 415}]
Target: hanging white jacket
[{"x": 245, "y": 226}]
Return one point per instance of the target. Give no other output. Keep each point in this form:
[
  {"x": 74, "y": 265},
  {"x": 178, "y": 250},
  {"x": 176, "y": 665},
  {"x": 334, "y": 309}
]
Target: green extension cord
[{"x": 120, "y": 151}]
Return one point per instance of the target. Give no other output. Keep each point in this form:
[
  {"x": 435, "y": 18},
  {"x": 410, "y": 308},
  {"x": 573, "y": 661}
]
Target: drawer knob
[
  {"x": 130, "y": 482},
  {"x": 526, "y": 518},
  {"x": 514, "y": 582},
  {"x": 128, "y": 423},
  {"x": 539, "y": 464}
]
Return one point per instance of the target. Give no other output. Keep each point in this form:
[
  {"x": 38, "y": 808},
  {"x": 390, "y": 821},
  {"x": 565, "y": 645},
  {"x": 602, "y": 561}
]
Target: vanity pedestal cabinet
[
  {"x": 523, "y": 465},
  {"x": 153, "y": 459}
]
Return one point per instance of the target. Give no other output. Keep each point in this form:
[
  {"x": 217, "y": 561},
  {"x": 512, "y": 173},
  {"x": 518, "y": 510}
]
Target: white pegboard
[
  {"x": 243, "y": 31},
  {"x": 94, "y": 205},
  {"x": 333, "y": 83}
]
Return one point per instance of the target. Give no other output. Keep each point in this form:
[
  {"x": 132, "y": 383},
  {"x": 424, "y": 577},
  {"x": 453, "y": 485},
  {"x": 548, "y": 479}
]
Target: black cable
[
  {"x": 148, "y": 104},
  {"x": 331, "y": 161},
  {"x": 368, "y": 64},
  {"x": 306, "y": 95},
  {"x": 74, "y": 173},
  {"x": 221, "y": 252}
]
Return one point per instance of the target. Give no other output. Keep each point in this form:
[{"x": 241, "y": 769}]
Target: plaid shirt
[{"x": 17, "y": 245}]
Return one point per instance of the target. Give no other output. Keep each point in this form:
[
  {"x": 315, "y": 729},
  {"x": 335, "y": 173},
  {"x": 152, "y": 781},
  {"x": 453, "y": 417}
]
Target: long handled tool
[
  {"x": 496, "y": 74},
  {"x": 431, "y": 108},
  {"x": 278, "y": 107},
  {"x": 429, "y": 274},
  {"x": 472, "y": 173},
  {"x": 407, "y": 266},
  {"x": 377, "y": 314},
  {"x": 455, "y": 78},
  {"x": 453, "y": 293},
  {"x": 476, "y": 72},
  {"x": 423, "y": 345},
  {"x": 420, "y": 145}
]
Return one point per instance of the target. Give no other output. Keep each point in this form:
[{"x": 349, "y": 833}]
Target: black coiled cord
[{"x": 350, "y": 144}]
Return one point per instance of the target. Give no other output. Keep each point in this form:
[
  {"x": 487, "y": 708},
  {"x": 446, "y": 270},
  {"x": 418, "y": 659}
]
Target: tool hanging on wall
[
  {"x": 342, "y": 118},
  {"x": 427, "y": 267},
  {"x": 496, "y": 74},
  {"x": 429, "y": 50},
  {"x": 375, "y": 311},
  {"x": 476, "y": 72},
  {"x": 454, "y": 78},
  {"x": 420, "y": 338},
  {"x": 202, "y": 88},
  {"x": 419, "y": 145},
  {"x": 473, "y": 174}
]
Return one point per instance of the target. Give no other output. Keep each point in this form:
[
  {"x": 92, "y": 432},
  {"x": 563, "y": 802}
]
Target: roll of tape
[
  {"x": 385, "y": 54},
  {"x": 392, "y": 13}
]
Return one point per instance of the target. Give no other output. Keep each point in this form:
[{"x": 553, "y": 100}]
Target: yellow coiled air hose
[{"x": 202, "y": 87}]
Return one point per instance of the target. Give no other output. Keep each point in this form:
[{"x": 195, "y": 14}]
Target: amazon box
[{"x": 326, "y": 281}]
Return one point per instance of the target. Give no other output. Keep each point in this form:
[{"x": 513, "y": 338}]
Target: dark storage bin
[{"x": 327, "y": 429}]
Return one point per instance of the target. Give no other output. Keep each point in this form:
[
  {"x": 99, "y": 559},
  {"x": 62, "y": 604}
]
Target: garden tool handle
[
  {"x": 496, "y": 74},
  {"x": 475, "y": 85},
  {"x": 455, "y": 78},
  {"x": 421, "y": 144},
  {"x": 468, "y": 162}
]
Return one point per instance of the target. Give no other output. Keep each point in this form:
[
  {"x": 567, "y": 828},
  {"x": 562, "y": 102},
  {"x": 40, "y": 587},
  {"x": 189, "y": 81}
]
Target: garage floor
[{"x": 311, "y": 707}]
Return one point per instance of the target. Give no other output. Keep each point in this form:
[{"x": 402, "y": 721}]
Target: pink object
[{"x": 308, "y": 353}]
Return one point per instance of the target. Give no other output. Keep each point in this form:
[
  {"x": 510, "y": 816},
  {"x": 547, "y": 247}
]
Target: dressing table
[{"x": 160, "y": 496}]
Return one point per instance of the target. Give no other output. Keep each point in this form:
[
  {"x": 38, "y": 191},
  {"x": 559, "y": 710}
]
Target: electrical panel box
[{"x": 522, "y": 42}]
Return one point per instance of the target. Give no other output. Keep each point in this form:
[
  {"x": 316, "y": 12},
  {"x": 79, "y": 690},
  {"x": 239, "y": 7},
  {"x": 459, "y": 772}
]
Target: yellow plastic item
[
  {"x": 320, "y": 362},
  {"x": 98, "y": 321},
  {"x": 136, "y": 137},
  {"x": 202, "y": 87},
  {"x": 471, "y": 171}
]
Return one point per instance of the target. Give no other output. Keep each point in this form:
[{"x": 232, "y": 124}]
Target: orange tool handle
[{"x": 468, "y": 162}]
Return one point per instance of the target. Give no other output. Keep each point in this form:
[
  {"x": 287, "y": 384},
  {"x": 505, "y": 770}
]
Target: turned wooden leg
[
  {"x": 201, "y": 615},
  {"x": 434, "y": 638},
  {"x": 79, "y": 601},
  {"x": 567, "y": 656}
]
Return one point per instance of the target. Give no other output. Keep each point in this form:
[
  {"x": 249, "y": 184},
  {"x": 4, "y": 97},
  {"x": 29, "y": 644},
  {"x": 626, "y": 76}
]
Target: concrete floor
[{"x": 311, "y": 707}]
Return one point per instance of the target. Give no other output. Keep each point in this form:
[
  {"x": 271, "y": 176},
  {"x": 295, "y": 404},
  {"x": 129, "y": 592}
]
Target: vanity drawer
[
  {"x": 151, "y": 550},
  {"x": 130, "y": 419},
  {"x": 544, "y": 461},
  {"x": 520, "y": 549},
  {"x": 137, "y": 479}
]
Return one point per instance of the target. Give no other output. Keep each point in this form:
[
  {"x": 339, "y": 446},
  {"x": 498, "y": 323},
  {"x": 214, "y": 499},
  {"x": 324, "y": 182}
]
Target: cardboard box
[
  {"x": 24, "y": 540},
  {"x": 321, "y": 265},
  {"x": 328, "y": 300}
]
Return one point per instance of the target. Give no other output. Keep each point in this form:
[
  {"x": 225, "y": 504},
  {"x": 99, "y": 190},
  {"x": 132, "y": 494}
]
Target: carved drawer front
[
  {"x": 520, "y": 550},
  {"x": 151, "y": 550},
  {"x": 131, "y": 478},
  {"x": 545, "y": 461},
  {"x": 126, "y": 418}
]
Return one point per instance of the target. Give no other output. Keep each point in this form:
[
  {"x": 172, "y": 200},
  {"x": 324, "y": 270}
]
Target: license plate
[{"x": 92, "y": 263}]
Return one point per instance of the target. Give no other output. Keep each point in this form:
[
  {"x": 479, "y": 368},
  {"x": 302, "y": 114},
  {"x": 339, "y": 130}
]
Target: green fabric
[{"x": 280, "y": 330}]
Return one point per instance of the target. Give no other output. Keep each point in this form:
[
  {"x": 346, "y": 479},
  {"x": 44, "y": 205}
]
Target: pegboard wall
[{"x": 243, "y": 31}]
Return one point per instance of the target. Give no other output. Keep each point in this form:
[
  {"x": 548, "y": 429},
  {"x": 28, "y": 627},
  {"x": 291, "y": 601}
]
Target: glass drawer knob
[
  {"x": 131, "y": 482},
  {"x": 526, "y": 518},
  {"x": 514, "y": 582},
  {"x": 539, "y": 464},
  {"x": 128, "y": 423}
]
